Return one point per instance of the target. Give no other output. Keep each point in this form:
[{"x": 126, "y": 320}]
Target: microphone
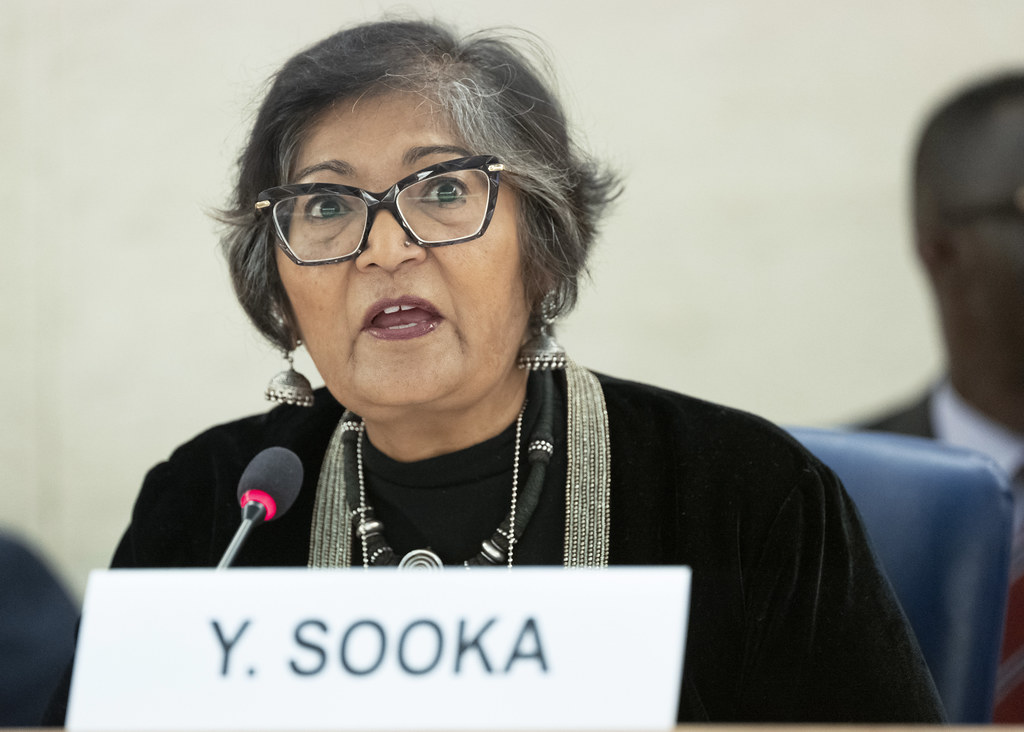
[{"x": 266, "y": 490}]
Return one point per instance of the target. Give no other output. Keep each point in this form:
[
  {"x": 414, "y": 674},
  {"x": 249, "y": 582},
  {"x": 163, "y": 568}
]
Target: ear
[
  {"x": 285, "y": 332},
  {"x": 936, "y": 247},
  {"x": 933, "y": 235}
]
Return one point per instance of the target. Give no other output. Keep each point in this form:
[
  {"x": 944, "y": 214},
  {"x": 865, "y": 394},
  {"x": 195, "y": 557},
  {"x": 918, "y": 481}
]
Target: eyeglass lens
[{"x": 439, "y": 209}]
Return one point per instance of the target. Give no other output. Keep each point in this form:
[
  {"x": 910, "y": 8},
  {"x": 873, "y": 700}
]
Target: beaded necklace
[
  {"x": 500, "y": 547},
  {"x": 588, "y": 480}
]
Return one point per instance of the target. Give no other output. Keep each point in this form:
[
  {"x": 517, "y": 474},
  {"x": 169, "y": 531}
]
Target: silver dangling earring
[
  {"x": 542, "y": 352},
  {"x": 290, "y": 387}
]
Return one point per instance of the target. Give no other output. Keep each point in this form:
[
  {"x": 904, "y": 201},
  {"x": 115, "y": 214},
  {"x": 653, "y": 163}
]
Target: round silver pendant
[{"x": 421, "y": 559}]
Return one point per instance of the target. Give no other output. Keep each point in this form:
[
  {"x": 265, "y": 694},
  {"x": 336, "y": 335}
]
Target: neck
[
  {"x": 999, "y": 396},
  {"x": 418, "y": 432},
  {"x": 986, "y": 367}
]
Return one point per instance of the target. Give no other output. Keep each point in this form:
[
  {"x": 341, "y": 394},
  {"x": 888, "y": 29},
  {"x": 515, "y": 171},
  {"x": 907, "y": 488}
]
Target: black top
[
  {"x": 791, "y": 620},
  {"x": 451, "y": 503}
]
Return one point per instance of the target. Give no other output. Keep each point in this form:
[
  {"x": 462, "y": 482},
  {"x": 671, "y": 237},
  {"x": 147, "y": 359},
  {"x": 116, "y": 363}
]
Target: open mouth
[{"x": 401, "y": 319}]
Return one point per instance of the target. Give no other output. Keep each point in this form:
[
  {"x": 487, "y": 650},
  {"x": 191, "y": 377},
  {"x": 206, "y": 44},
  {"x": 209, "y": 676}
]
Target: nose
[{"x": 386, "y": 245}]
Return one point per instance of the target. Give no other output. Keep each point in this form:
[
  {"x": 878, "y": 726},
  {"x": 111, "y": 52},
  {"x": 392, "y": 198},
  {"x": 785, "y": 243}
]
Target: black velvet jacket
[{"x": 791, "y": 619}]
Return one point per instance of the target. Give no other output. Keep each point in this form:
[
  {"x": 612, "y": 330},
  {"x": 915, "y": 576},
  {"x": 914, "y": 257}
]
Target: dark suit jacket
[
  {"x": 37, "y": 634},
  {"x": 913, "y": 419}
]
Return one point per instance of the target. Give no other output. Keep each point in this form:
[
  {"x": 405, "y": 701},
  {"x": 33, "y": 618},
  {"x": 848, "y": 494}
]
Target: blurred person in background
[{"x": 968, "y": 215}]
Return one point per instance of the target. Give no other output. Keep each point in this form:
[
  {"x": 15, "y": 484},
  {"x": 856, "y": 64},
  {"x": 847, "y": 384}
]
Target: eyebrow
[
  {"x": 417, "y": 153},
  {"x": 335, "y": 166},
  {"x": 412, "y": 156}
]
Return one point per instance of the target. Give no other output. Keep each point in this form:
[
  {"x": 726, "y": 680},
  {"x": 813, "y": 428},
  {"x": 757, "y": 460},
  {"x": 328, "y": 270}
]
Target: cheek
[
  {"x": 487, "y": 294},
  {"x": 314, "y": 296},
  {"x": 505, "y": 299}
]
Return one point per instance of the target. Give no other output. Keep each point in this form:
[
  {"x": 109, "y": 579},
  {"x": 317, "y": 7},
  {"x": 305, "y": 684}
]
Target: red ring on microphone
[{"x": 254, "y": 494}]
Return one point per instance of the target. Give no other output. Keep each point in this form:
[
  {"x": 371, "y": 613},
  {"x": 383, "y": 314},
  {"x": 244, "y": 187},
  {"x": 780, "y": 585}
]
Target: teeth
[
  {"x": 401, "y": 327},
  {"x": 396, "y": 308}
]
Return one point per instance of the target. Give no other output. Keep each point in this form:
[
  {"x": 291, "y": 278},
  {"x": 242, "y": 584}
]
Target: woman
[{"x": 411, "y": 208}]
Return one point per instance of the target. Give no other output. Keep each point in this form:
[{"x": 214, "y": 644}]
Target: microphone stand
[{"x": 252, "y": 513}]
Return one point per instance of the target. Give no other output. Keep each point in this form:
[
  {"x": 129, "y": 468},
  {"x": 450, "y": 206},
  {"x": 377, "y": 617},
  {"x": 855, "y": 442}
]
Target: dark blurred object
[{"x": 37, "y": 634}]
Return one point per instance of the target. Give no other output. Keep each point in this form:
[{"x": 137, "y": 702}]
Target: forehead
[
  {"x": 377, "y": 137},
  {"x": 985, "y": 163}
]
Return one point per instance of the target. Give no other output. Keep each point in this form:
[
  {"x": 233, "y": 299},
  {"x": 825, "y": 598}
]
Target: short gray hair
[{"x": 497, "y": 102}]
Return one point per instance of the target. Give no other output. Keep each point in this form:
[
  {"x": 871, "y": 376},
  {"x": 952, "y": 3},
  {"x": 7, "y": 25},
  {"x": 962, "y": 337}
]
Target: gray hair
[{"x": 497, "y": 103}]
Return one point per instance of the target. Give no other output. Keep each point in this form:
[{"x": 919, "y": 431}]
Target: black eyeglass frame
[{"x": 385, "y": 200}]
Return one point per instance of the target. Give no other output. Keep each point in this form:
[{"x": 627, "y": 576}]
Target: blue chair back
[{"x": 940, "y": 521}]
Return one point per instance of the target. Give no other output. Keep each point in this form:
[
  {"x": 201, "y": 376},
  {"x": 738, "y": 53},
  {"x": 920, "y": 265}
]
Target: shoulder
[
  {"x": 217, "y": 456},
  {"x": 234, "y": 443},
  {"x": 695, "y": 471},
  {"x": 684, "y": 424},
  {"x": 913, "y": 418},
  {"x": 281, "y": 425},
  {"x": 786, "y": 594},
  {"x": 187, "y": 508}
]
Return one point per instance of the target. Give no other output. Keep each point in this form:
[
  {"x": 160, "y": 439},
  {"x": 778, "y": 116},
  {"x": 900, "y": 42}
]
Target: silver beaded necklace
[
  {"x": 376, "y": 551},
  {"x": 587, "y": 482}
]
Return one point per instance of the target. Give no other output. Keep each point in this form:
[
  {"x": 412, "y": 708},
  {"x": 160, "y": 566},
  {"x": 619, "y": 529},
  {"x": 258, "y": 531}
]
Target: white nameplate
[{"x": 298, "y": 649}]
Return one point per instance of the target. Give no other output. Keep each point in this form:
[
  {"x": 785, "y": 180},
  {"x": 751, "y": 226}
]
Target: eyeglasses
[{"x": 446, "y": 203}]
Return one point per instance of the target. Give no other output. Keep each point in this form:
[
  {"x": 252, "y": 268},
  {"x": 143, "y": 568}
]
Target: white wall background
[{"x": 759, "y": 256}]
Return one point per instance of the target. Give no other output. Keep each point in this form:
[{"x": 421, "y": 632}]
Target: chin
[{"x": 396, "y": 388}]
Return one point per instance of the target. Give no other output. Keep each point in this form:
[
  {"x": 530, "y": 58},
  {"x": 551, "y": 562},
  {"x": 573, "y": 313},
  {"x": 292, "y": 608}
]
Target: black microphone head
[{"x": 275, "y": 473}]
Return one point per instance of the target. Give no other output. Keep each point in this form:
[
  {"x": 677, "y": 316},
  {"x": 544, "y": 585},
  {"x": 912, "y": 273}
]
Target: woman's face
[{"x": 450, "y": 348}]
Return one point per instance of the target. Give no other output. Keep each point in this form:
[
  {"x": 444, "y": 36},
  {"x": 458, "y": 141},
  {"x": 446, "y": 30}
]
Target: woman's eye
[
  {"x": 446, "y": 192},
  {"x": 325, "y": 207}
]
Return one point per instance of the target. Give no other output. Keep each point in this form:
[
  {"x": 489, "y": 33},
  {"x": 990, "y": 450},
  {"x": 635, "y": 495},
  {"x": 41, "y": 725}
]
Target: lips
[{"x": 401, "y": 319}]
